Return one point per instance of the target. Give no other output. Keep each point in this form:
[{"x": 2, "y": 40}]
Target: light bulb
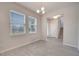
[
  {"x": 38, "y": 11},
  {"x": 57, "y": 16},
  {"x": 42, "y": 8},
  {"x": 43, "y": 12}
]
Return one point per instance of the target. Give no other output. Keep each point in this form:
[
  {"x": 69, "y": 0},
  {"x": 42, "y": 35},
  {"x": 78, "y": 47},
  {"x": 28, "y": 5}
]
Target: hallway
[
  {"x": 51, "y": 47},
  {"x": 60, "y": 36}
]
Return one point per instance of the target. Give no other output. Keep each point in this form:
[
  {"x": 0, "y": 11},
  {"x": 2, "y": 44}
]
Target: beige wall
[
  {"x": 70, "y": 24},
  {"x": 6, "y": 40}
]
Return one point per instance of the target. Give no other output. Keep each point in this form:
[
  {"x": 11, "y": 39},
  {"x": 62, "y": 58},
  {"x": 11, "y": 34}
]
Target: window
[
  {"x": 17, "y": 22},
  {"x": 32, "y": 24}
]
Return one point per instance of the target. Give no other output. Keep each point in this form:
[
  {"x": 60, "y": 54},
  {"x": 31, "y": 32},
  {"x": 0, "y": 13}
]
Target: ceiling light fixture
[
  {"x": 57, "y": 16},
  {"x": 41, "y": 10}
]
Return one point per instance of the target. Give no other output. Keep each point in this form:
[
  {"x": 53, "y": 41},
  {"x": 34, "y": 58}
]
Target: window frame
[
  {"x": 19, "y": 13},
  {"x": 33, "y": 24}
]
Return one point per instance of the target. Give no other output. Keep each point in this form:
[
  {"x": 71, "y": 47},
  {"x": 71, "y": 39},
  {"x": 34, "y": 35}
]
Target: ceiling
[{"x": 49, "y": 6}]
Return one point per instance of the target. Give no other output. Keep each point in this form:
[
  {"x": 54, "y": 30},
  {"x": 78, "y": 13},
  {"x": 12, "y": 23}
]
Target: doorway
[
  {"x": 55, "y": 28},
  {"x": 61, "y": 23},
  {"x": 52, "y": 28}
]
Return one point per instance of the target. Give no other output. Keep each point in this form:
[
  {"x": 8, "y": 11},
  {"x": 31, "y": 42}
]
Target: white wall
[
  {"x": 53, "y": 26},
  {"x": 70, "y": 25},
  {"x": 78, "y": 25}
]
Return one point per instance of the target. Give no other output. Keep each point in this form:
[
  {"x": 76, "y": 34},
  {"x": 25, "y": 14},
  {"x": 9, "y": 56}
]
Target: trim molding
[{"x": 69, "y": 45}]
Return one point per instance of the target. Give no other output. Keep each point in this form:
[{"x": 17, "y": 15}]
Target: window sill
[
  {"x": 32, "y": 32},
  {"x": 16, "y": 34}
]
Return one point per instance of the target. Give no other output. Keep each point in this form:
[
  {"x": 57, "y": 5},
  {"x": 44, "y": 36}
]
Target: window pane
[
  {"x": 32, "y": 28},
  {"x": 32, "y": 24},
  {"x": 21, "y": 28},
  {"x": 14, "y": 29},
  {"x": 31, "y": 20},
  {"x": 16, "y": 18},
  {"x": 17, "y": 22},
  {"x": 17, "y": 28}
]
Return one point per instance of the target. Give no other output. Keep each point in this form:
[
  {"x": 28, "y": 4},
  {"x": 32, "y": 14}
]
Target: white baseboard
[
  {"x": 17, "y": 46},
  {"x": 78, "y": 48},
  {"x": 70, "y": 45}
]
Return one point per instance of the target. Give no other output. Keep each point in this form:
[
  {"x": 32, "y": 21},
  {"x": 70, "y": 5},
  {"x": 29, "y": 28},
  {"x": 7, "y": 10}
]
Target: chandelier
[{"x": 41, "y": 10}]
